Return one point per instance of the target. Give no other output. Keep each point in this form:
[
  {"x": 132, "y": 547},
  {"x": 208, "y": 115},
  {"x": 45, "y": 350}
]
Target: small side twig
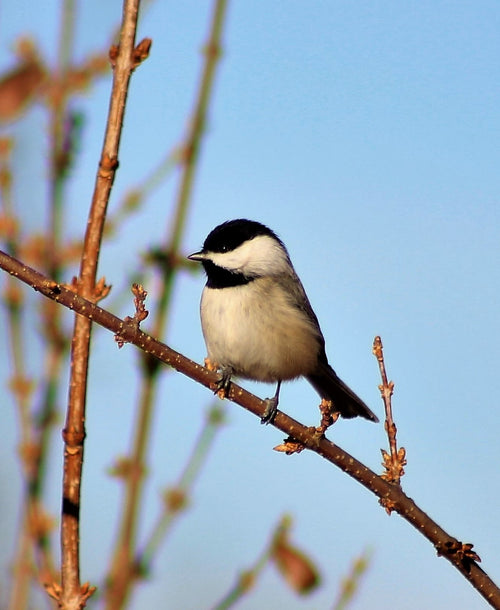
[
  {"x": 395, "y": 461},
  {"x": 177, "y": 497},
  {"x": 350, "y": 584},
  {"x": 141, "y": 313},
  {"x": 297, "y": 569},
  {"x": 328, "y": 416}
]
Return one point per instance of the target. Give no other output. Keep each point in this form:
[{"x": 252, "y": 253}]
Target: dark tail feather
[{"x": 329, "y": 385}]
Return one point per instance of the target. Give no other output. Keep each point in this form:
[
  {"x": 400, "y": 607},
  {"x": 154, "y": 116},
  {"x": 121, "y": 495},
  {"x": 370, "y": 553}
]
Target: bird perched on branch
[{"x": 257, "y": 320}]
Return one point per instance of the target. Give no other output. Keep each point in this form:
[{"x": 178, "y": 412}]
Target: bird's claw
[
  {"x": 270, "y": 411},
  {"x": 222, "y": 386}
]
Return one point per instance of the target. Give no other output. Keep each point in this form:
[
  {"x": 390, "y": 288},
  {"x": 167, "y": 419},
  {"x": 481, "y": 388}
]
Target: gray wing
[{"x": 325, "y": 380}]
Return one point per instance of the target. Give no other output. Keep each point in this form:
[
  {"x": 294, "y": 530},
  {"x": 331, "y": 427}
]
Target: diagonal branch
[{"x": 457, "y": 553}]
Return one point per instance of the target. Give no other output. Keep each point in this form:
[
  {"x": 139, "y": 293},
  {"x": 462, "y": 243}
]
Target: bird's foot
[
  {"x": 270, "y": 410},
  {"x": 271, "y": 407},
  {"x": 224, "y": 383}
]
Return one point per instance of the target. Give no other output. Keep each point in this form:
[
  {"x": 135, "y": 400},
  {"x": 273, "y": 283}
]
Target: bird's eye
[{"x": 223, "y": 249}]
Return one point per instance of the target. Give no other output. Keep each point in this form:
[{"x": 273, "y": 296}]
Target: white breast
[{"x": 256, "y": 330}]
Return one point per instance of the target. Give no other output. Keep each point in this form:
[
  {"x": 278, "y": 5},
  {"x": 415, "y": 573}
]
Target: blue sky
[{"x": 366, "y": 135}]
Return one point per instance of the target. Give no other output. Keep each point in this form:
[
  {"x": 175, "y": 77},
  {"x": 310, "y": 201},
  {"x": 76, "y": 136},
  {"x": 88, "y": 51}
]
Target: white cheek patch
[
  {"x": 234, "y": 260},
  {"x": 261, "y": 255}
]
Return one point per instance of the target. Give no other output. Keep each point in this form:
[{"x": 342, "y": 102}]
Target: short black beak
[{"x": 197, "y": 256}]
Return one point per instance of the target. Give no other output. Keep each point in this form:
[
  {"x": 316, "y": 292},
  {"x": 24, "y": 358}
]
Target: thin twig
[
  {"x": 246, "y": 579},
  {"x": 71, "y": 595},
  {"x": 457, "y": 553},
  {"x": 351, "y": 583},
  {"x": 395, "y": 461},
  {"x": 121, "y": 574},
  {"x": 57, "y": 343},
  {"x": 14, "y": 300},
  {"x": 296, "y": 568},
  {"x": 176, "y": 498},
  {"x": 135, "y": 196},
  {"x": 60, "y": 128},
  {"x": 34, "y": 524},
  {"x": 190, "y": 150}
]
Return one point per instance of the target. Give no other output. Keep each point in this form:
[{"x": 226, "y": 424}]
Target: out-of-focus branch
[
  {"x": 176, "y": 499},
  {"x": 121, "y": 575},
  {"x": 59, "y": 132},
  {"x": 351, "y": 583},
  {"x": 70, "y": 594},
  {"x": 297, "y": 569},
  {"x": 457, "y": 553},
  {"x": 132, "y": 200},
  {"x": 19, "y": 382},
  {"x": 35, "y": 523},
  {"x": 190, "y": 149}
]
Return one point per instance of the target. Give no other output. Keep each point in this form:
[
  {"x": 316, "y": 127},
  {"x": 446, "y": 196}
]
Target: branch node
[
  {"x": 141, "y": 51},
  {"x": 394, "y": 465},
  {"x": 290, "y": 446},
  {"x": 113, "y": 54},
  {"x": 175, "y": 499},
  {"x": 101, "y": 290},
  {"x": 328, "y": 416},
  {"x": 53, "y": 590},
  {"x": 461, "y": 550},
  {"x": 212, "y": 50},
  {"x": 394, "y": 461},
  {"x": 139, "y": 54},
  {"x": 107, "y": 166},
  {"x": 86, "y": 591},
  {"x": 141, "y": 313},
  {"x": 127, "y": 468},
  {"x": 388, "y": 504},
  {"x": 54, "y": 287},
  {"x": 73, "y": 440}
]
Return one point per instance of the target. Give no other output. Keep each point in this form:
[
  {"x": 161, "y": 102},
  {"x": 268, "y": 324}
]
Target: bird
[{"x": 257, "y": 321}]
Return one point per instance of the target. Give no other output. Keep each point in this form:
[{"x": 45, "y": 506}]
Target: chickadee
[{"x": 257, "y": 320}]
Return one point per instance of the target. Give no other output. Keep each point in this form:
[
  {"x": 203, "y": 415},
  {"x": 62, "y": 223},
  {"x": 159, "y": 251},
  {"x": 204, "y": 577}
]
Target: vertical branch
[
  {"x": 58, "y": 126},
  {"x": 177, "y": 498},
  {"x": 350, "y": 585},
  {"x": 71, "y": 595},
  {"x": 122, "y": 574},
  {"x": 19, "y": 382},
  {"x": 36, "y": 423},
  {"x": 34, "y": 524},
  {"x": 57, "y": 342},
  {"x": 395, "y": 461},
  {"x": 189, "y": 156}
]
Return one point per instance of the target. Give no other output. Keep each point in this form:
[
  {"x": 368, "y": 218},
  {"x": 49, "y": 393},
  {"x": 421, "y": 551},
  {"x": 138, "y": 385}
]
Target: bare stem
[
  {"x": 177, "y": 498},
  {"x": 123, "y": 568},
  {"x": 190, "y": 150},
  {"x": 395, "y": 461},
  {"x": 295, "y": 567},
  {"x": 72, "y": 596},
  {"x": 19, "y": 593},
  {"x": 351, "y": 584},
  {"x": 247, "y": 579},
  {"x": 33, "y": 534}
]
